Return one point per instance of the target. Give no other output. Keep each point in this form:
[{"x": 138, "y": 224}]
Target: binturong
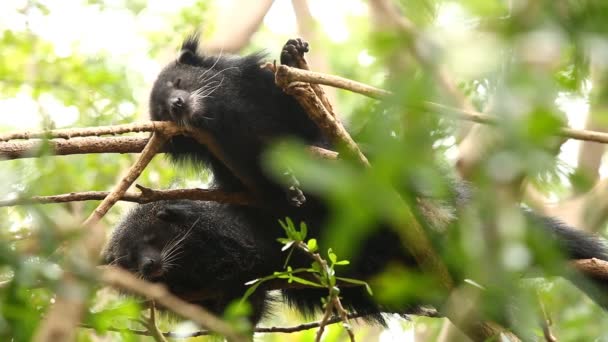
[
  {"x": 237, "y": 102},
  {"x": 203, "y": 252},
  {"x": 206, "y": 252}
]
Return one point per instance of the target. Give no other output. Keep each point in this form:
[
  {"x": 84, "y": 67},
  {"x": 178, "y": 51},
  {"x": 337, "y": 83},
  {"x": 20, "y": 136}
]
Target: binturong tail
[{"x": 577, "y": 245}]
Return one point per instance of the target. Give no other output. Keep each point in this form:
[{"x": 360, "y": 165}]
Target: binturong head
[
  {"x": 179, "y": 91},
  {"x": 151, "y": 240},
  {"x": 204, "y": 252}
]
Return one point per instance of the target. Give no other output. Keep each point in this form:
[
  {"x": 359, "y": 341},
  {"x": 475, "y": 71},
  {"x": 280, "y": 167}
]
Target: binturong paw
[{"x": 293, "y": 52}]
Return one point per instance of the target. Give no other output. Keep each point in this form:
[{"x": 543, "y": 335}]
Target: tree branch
[
  {"x": 124, "y": 280},
  {"x": 237, "y": 22},
  {"x": 30, "y": 148},
  {"x": 146, "y": 196},
  {"x": 168, "y": 128},
  {"x": 592, "y": 268},
  {"x": 66, "y": 313},
  {"x": 329, "y": 125},
  {"x": 266, "y": 330}
]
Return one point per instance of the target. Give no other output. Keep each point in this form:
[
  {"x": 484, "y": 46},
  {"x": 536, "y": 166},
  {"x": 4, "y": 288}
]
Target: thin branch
[
  {"x": 259, "y": 330},
  {"x": 333, "y": 300},
  {"x": 324, "y": 321},
  {"x": 146, "y": 196},
  {"x": 124, "y": 280},
  {"x": 152, "y": 327},
  {"x": 546, "y": 321},
  {"x": 344, "y": 316},
  {"x": 290, "y": 75},
  {"x": 566, "y": 132},
  {"x": 154, "y": 145},
  {"x": 23, "y": 149}
]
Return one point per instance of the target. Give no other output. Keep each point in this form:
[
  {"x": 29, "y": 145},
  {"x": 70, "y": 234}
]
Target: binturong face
[
  {"x": 189, "y": 245},
  {"x": 150, "y": 242},
  {"x": 179, "y": 91},
  {"x": 176, "y": 95}
]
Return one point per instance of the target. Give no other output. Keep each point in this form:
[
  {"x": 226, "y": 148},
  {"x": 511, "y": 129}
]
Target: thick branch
[
  {"x": 146, "y": 196},
  {"x": 593, "y": 268},
  {"x": 411, "y": 232},
  {"x": 331, "y": 128},
  {"x": 66, "y": 133},
  {"x": 85, "y": 145}
]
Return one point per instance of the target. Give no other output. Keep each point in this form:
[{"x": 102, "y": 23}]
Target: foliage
[{"x": 514, "y": 59}]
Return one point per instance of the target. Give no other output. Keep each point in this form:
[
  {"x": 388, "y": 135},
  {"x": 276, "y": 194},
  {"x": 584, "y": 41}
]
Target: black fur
[
  {"x": 239, "y": 104},
  {"x": 196, "y": 248},
  {"x": 235, "y": 100},
  {"x": 223, "y": 246}
]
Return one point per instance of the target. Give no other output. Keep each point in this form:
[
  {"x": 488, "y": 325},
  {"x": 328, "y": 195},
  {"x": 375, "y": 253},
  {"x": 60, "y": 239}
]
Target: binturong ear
[
  {"x": 168, "y": 214},
  {"x": 187, "y": 54}
]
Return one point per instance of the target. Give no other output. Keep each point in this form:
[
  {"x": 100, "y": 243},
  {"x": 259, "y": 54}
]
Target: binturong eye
[{"x": 177, "y": 82}]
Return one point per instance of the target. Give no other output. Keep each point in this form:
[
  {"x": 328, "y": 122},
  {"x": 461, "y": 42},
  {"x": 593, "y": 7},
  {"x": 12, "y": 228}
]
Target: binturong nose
[
  {"x": 178, "y": 101},
  {"x": 151, "y": 267}
]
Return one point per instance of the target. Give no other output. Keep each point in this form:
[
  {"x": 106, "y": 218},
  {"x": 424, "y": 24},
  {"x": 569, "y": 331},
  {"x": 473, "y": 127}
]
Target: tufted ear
[
  {"x": 168, "y": 214},
  {"x": 107, "y": 258},
  {"x": 187, "y": 54}
]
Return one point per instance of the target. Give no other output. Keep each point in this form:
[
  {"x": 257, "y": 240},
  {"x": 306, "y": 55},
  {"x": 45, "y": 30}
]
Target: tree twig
[
  {"x": 124, "y": 280},
  {"x": 146, "y": 196},
  {"x": 259, "y": 330},
  {"x": 290, "y": 75},
  {"x": 152, "y": 326},
  {"x": 546, "y": 321}
]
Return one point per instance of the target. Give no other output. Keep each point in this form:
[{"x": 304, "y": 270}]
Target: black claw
[
  {"x": 296, "y": 197},
  {"x": 294, "y": 194},
  {"x": 293, "y": 50}
]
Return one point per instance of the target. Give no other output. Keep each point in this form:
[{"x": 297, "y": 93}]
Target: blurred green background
[{"x": 535, "y": 64}]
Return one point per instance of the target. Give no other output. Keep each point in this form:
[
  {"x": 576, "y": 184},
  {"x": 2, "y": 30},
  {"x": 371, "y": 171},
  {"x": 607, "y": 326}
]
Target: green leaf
[
  {"x": 358, "y": 282},
  {"x": 303, "y": 231},
  {"x": 332, "y": 256},
  {"x": 305, "y": 281},
  {"x": 312, "y": 245}
]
